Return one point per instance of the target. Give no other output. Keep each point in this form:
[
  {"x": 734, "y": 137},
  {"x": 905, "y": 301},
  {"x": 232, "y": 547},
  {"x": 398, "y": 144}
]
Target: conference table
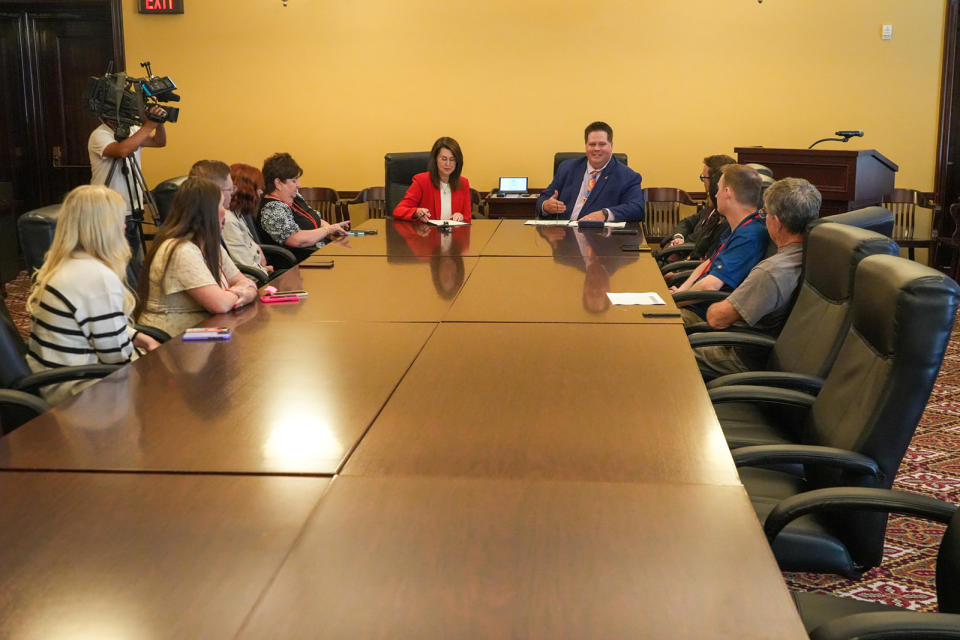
[{"x": 450, "y": 436}]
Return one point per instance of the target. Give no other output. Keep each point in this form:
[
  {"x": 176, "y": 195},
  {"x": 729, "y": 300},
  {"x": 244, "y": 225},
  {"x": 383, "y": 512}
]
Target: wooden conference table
[{"x": 411, "y": 451}]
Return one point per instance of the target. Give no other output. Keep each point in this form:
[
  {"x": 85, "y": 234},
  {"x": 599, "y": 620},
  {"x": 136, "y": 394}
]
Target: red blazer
[{"x": 423, "y": 194}]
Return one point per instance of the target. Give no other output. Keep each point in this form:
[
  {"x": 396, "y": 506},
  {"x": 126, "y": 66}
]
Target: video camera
[{"x": 124, "y": 100}]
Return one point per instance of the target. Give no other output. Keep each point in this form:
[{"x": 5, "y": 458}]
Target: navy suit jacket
[{"x": 618, "y": 189}]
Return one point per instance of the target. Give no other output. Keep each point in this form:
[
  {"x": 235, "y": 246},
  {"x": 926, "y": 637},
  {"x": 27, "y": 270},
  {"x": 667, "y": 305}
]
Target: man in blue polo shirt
[{"x": 739, "y": 198}]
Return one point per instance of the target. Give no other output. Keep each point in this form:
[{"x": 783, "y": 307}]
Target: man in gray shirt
[{"x": 763, "y": 299}]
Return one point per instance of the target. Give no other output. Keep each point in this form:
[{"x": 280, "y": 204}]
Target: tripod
[{"x": 134, "y": 181}]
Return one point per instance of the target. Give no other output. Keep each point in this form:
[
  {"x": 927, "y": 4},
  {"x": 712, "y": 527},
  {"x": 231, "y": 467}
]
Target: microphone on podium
[{"x": 844, "y": 137}]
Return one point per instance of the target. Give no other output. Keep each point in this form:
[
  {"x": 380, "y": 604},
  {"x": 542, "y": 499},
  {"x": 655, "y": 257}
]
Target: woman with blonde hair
[{"x": 79, "y": 303}]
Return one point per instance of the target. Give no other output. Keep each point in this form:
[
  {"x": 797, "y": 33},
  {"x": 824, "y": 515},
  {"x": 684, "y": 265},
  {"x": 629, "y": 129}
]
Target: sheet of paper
[
  {"x": 635, "y": 298},
  {"x": 447, "y": 223},
  {"x": 548, "y": 223}
]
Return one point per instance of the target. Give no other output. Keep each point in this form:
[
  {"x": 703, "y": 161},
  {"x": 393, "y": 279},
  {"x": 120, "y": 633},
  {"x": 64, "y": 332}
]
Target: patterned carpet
[{"x": 931, "y": 467}]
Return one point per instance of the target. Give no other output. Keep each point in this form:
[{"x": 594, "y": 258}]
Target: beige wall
[{"x": 338, "y": 84}]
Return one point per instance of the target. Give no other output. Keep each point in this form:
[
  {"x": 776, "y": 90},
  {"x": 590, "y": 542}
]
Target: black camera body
[{"x": 124, "y": 100}]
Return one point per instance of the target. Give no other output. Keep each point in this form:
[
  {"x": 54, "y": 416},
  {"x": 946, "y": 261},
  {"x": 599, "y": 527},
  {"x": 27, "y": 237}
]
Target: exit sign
[{"x": 160, "y": 6}]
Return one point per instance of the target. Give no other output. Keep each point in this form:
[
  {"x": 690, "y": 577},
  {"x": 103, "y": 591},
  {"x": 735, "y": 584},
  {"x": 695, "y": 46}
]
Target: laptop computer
[{"x": 513, "y": 187}]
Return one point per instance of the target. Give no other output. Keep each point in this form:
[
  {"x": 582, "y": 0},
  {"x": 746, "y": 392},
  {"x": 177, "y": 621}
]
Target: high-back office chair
[
  {"x": 856, "y": 430},
  {"x": 563, "y": 156},
  {"x": 36, "y": 229},
  {"x": 280, "y": 258},
  {"x": 399, "y": 169},
  {"x": 829, "y": 617},
  {"x": 375, "y": 199},
  {"x": 326, "y": 201},
  {"x": 477, "y": 209},
  {"x": 663, "y": 211},
  {"x": 903, "y": 203},
  {"x": 877, "y": 219},
  {"x": 163, "y": 195},
  {"x": 15, "y": 372}
]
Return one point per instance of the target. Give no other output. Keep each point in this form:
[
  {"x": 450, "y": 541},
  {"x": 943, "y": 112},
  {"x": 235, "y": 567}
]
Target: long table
[{"x": 411, "y": 451}]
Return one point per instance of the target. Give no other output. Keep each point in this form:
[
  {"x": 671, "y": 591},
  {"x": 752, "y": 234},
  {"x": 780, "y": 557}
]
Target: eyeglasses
[{"x": 704, "y": 178}]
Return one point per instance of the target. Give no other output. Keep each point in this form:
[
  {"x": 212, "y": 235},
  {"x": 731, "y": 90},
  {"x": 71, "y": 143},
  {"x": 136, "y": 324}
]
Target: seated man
[
  {"x": 738, "y": 201},
  {"x": 704, "y": 228},
  {"x": 763, "y": 300},
  {"x": 597, "y": 187},
  {"x": 237, "y": 238}
]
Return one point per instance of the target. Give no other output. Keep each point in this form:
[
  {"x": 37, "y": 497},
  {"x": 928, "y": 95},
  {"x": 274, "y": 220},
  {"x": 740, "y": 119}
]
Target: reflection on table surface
[
  {"x": 405, "y": 238},
  {"x": 514, "y": 238},
  {"x": 560, "y": 289},
  {"x": 276, "y": 398}
]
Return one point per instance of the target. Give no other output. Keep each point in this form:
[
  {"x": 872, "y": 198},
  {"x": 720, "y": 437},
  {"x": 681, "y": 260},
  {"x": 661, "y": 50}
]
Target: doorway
[{"x": 47, "y": 52}]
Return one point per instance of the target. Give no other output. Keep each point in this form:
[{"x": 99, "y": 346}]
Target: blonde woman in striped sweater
[{"x": 80, "y": 304}]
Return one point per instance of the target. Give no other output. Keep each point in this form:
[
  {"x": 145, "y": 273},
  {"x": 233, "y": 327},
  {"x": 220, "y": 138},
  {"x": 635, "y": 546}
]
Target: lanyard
[
  {"x": 753, "y": 216},
  {"x": 299, "y": 211}
]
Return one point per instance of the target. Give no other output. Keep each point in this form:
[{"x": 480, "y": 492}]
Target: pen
[{"x": 661, "y": 314}]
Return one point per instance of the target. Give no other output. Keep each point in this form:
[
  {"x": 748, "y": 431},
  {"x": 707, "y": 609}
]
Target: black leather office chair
[
  {"x": 562, "y": 156},
  {"x": 280, "y": 258},
  {"x": 36, "y": 229},
  {"x": 829, "y": 617},
  {"x": 18, "y": 407},
  {"x": 399, "y": 169},
  {"x": 163, "y": 195},
  {"x": 801, "y": 356},
  {"x": 856, "y": 430},
  {"x": 877, "y": 219},
  {"x": 15, "y": 373}
]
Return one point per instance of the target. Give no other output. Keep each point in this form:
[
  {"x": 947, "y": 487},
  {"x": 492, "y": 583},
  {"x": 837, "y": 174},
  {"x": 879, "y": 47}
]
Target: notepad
[
  {"x": 447, "y": 223},
  {"x": 635, "y": 298},
  {"x": 570, "y": 223}
]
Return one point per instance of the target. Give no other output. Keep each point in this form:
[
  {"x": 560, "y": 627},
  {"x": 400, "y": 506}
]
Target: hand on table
[
  {"x": 674, "y": 242},
  {"x": 457, "y": 217},
  {"x": 422, "y": 214},
  {"x": 595, "y": 215}
]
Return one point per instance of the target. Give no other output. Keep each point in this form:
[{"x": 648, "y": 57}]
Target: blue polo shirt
[{"x": 740, "y": 250}]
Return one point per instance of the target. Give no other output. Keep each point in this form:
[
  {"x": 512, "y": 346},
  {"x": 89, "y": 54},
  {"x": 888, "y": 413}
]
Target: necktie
[{"x": 593, "y": 181}]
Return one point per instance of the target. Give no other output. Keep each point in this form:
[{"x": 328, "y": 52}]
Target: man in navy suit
[{"x": 597, "y": 187}]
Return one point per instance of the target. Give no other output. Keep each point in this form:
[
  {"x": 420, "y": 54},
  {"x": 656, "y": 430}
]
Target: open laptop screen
[{"x": 513, "y": 185}]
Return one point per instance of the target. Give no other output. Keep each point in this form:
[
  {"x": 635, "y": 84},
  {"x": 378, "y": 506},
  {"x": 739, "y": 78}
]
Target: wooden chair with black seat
[
  {"x": 477, "y": 204},
  {"x": 375, "y": 199},
  {"x": 663, "y": 211},
  {"x": 326, "y": 201},
  {"x": 856, "y": 430},
  {"x": 906, "y": 229},
  {"x": 827, "y": 617}
]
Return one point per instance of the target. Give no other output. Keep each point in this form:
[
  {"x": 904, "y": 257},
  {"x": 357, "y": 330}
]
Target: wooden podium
[{"x": 847, "y": 179}]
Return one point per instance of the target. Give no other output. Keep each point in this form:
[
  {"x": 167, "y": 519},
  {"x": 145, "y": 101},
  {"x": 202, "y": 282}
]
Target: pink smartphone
[{"x": 273, "y": 299}]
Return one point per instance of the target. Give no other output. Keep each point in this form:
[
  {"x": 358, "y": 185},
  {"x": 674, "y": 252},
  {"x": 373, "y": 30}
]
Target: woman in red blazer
[{"x": 441, "y": 193}]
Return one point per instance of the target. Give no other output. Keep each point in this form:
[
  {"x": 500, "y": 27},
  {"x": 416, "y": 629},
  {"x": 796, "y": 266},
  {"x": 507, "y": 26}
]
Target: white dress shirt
[
  {"x": 446, "y": 208},
  {"x": 575, "y": 214}
]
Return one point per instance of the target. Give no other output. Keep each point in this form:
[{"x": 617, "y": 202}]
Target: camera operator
[{"x": 104, "y": 147}]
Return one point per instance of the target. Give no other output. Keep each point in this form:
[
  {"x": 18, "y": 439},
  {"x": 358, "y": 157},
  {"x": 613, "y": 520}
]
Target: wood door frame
[
  {"x": 946, "y": 100},
  {"x": 115, "y": 9}
]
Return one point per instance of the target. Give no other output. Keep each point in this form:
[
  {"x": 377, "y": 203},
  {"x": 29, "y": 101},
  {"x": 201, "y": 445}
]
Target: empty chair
[
  {"x": 663, "y": 211},
  {"x": 855, "y": 431},
  {"x": 36, "y": 229},
  {"x": 829, "y": 617},
  {"x": 477, "y": 204},
  {"x": 877, "y": 219},
  {"x": 326, "y": 201},
  {"x": 953, "y": 242},
  {"x": 903, "y": 203},
  {"x": 375, "y": 199},
  {"x": 399, "y": 169},
  {"x": 163, "y": 195}
]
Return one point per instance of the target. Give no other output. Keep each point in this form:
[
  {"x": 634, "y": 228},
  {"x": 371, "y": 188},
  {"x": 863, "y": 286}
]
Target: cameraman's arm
[
  {"x": 158, "y": 139},
  {"x": 139, "y": 139}
]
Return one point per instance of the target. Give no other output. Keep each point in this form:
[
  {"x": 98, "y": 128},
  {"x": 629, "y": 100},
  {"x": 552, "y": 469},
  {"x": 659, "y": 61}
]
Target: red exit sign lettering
[{"x": 160, "y": 6}]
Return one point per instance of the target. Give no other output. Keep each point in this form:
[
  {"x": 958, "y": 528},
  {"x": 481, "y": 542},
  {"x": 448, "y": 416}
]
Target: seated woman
[
  {"x": 188, "y": 274},
  {"x": 80, "y": 304},
  {"x": 441, "y": 193},
  {"x": 285, "y": 216}
]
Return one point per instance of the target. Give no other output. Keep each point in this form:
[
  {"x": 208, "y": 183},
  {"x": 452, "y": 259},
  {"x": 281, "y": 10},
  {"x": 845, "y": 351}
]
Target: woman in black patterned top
[{"x": 285, "y": 216}]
